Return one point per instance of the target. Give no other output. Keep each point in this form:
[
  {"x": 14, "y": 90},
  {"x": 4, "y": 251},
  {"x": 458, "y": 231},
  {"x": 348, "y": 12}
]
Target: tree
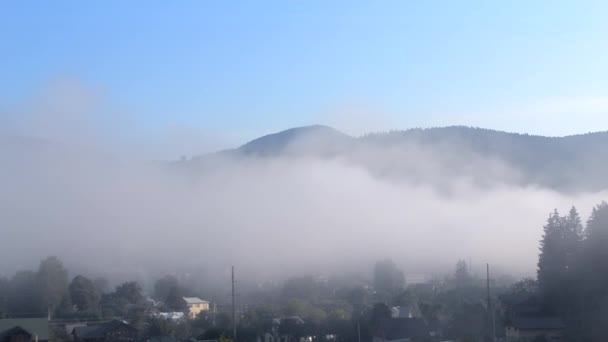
[
  {"x": 24, "y": 298},
  {"x": 524, "y": 288},
  {"x": 404, "y": 297},
  {"x": 340, "y": 310},
  {"x": 388, "y": 279},
  {"x": 4, "y": 295},
  {"x": 175, "y": 301},
  {"x": 468, "y": 322},
  {"x": 163, "y": 286},
  {"x": 358, "y": 297},
  {"x": 572, "y": 245},
  {"x": 552, "y": 262},
  {"x": 83, "y": 294},
  {"x": 258, "y": 318},
  {"x": 52, "y": 281},
  {"x": 380, "y": 311},
  {"x": 573, "y": 273},
  {"x": 462, "y": 277},
  {"x": 165, "y": 327},
  {"x": 223, "y": 321},
  {"x": 102, "y": 285},
  {"x": 125, "y": 301},
  {"x": 129, "y": 291},
  {"x": 596, "y": 249},
  {"x": 136, "y": 315},
  {"x": 305, "y": 288},
  {"x": 596, "y": 225},
  {"x": 224, "y": 338},
  {"x": 430, "y": 312},
  {"x": 203, "y": 321},
  {"x": 161, "y": 327}
]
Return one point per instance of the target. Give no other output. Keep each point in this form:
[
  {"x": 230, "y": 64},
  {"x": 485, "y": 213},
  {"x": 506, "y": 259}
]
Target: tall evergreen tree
[
  {"x": 593, "y": 282},
  {"x": 573, "y": 272},
  {"x": 574, "y": 229},
  {"x": 552, "y": 262},
  {"x": 595, "y": 266},
  {"x": 572, "y": 244}
]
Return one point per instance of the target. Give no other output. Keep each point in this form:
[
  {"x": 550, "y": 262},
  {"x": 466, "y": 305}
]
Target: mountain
[
  {"x": 434, "y": 156},
  {"x": 577, "y": 162},
  {"x": 315, "y": 140},
  {"x": 571, "y": 163}
]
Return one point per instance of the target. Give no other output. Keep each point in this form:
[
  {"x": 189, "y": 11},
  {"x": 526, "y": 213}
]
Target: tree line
[
  {"x": 49, "y": 291},
  {"x": 573, "y": 272}
]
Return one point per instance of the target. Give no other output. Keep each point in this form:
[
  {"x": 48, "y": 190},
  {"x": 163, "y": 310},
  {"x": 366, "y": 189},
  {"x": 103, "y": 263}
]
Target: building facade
[{"x": 196, "y": 306}]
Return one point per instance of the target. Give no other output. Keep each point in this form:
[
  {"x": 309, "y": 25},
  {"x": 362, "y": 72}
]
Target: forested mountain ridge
[
  {"x": 572, "y": 163},
  {"x": 434, "y": 156}
]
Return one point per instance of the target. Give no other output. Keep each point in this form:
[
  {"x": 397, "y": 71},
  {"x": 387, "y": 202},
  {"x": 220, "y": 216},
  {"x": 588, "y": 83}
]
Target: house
[
  {"x": 527, "y": 328},
  {"x": 401, "y": 330},
  {"x": 113, "y": 331},
  {"x": 24, "y": 330},
  {"x": 196, "y": 306},
  {"x": 405, "y": 311}
]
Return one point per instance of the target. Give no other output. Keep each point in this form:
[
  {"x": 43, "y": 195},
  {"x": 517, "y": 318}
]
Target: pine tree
[
  {"x": 552, "y": 262},
  {"x": 572, "y": 243},
  {"x": 572, "y": 231},
  {"x": 595, "y": 265},
  {"x": 593, "y": 268}
]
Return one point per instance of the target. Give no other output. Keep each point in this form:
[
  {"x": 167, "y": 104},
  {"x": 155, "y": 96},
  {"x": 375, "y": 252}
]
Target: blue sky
[{"x": 229, "y": 71}]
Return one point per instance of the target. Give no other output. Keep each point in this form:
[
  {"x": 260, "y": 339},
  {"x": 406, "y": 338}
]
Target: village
[
  {"x": 303, "y": 171},
  {"x": 458, "y": 307}
]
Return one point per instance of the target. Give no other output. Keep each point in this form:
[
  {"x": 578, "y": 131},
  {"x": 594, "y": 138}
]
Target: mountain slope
[
  {"x": 314, "y": 140},
  {"x": 572, "y": 163},
  {"x": 578, "y": 162}
]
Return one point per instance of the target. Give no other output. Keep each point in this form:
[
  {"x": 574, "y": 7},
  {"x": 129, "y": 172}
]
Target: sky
[
  {"x": 164, "y": 79},
  {"x": 193, "y": 76}
]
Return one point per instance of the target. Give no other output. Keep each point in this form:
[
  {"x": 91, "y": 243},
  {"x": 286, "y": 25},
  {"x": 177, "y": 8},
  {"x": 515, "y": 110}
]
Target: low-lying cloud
[{"x": 273, "y": 216}]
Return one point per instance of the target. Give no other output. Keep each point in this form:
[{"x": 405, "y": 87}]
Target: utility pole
[
  {"x": 233, "y": 308},
  {"x": 359, "y": 331},
  {"x": 491, "y": 318}
]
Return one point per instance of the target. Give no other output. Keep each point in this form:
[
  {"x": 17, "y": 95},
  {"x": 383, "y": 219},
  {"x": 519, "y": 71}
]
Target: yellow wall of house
[{"x": 195, "y": 309}]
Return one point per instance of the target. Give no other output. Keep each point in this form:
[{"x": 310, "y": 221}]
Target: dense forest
[{"x": 573, "y": 272}]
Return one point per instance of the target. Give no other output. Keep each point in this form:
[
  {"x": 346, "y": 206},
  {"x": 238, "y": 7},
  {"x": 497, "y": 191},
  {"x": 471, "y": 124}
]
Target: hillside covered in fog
[
  {"x": 436, "y": 155},
  {"x": 309, "y": 194}
]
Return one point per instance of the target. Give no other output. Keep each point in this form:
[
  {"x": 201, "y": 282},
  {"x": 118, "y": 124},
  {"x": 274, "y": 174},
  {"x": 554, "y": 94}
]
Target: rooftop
[{"x": 194, "y": 300}]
